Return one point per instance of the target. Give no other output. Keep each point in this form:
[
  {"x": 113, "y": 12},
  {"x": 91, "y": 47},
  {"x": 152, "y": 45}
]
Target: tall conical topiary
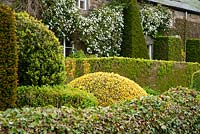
[
  {"x": 8, "y": 58},
  {"x": 133, "y": 44}
]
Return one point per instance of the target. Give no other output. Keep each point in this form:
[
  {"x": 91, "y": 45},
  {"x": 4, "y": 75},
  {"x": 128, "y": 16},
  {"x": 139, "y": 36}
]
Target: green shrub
[
  {"x": 151, "y": 91},
  {"x": 183, "y": 96},
  {"x": 177, "y": 111},
  {"x": 158, "y": 75},
  {"x": 156, "y": 20},
  {"x": 109, "y": 88},
  {"x": 41, "y": 59},
  {"x": 168, "y": 48},
  {"x": 56, "y": 96},
  {"x": 101, "y": 30},
  {"x": 193, "y": 50},
  {"x": 78, "y": 54},
  {"x": 195, "y": 84},
  {"x": 133, "y": 41},
  {"x": 8, "y": 58}
]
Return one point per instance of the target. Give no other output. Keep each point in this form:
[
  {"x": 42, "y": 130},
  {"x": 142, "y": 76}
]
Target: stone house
[
  {"x": 185, "y": 16},
  {"x": 185, "y": 19}
]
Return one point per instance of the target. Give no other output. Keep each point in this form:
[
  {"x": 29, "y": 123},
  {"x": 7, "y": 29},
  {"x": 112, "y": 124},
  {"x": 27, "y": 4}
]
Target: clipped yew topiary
[
  {"x": 41, "y": 60},
  {"x": 168, "y": 48},
  {"x": 8, "y": 58},
  {"x": 133, "y": 44},
  {"x": 108, "y": 87},
  {"x": 193, "y": 50}
]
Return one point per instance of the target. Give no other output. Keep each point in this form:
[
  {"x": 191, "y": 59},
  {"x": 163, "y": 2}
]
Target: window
[
  {"x": 68, "y": 47},
  {"x": 83, "y": 4}
]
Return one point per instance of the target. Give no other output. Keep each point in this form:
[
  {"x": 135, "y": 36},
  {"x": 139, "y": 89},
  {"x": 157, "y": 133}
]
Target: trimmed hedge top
[
  {"x": 57, "y": 96},
  {"x": 108, "y": 87},
  {"x": 158, "y": 75}
]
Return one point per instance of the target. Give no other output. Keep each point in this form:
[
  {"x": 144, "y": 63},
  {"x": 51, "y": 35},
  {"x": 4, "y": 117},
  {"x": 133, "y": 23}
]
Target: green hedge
[
  {"x": 41, "y": 59},
  {"x": 168, "y": 48},
  {"x": 56, "y": 96},
  {"x": 176, "y": 111},
  {"x": 196, "y": 80},
  {"x": 193, "y": 50},
  {"x": 158, "y": 75},
  {"x": 133, "y": 44},
  {"x": 8, "y": 58}
]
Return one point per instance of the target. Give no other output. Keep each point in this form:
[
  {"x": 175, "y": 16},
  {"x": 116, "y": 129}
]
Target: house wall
[
  {"x": 182, "y": 15},
  {"x": 97, "y": 3},
  {"x": 185, "y": 24}
]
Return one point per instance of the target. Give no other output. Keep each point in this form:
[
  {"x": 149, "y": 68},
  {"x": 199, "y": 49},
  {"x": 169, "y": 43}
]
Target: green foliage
[
  {"x": 193, "y": 50},
  {"x": 56, "y": 96},
  {"x": 168, "y": 48},
  {"x": 77, "y": 54},
  {"x": 8, "y": 58},
  {"x": 155, "y": 19},
  {"x": 61, "y": 16},
  {"x": 109, "y": 88},
  {"x": 41, "y": 59},
  {"x": 133, "y": 44},
  {"x": 158, "y": 75},
  {"x": 101, "y": 30},
  {"x": 177, "y": 111},
  {"x": 151, "y": 91},
  {"x": 195, "y": 84}
]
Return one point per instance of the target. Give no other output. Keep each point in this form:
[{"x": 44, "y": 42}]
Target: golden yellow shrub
[{"x": 108, "y": 87}]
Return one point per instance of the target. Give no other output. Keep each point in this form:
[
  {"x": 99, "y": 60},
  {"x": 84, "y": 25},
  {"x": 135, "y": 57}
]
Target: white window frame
[
  {"x": 85, "y": 4},
  {"x": 67, "y": 47},
  {"x": 150, "y": 51}
]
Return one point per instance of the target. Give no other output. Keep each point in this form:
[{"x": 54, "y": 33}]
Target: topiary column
[
  {"x": 8, "y": 58},
  {"x": 133, "y": 44}
]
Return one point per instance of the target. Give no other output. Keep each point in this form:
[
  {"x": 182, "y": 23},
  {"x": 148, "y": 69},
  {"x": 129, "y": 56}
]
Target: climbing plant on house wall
[
  {"x": 61, "y": 16},
  {"x": 101, "y": 31},
  {"x": 155, "y": 19}
]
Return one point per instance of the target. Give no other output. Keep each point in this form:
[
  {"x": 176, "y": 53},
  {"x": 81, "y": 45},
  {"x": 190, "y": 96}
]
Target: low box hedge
[
  {"x": 158, "y": 75},
  {"x": 176, "y": 111},
  {"x": 57, "y": 96}
]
